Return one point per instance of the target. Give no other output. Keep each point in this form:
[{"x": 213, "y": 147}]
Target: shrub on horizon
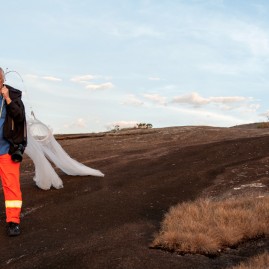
[{"x": 263, "y": 125}]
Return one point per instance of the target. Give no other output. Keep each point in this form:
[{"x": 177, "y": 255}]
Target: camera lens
[{"x": 17, "y": 155}]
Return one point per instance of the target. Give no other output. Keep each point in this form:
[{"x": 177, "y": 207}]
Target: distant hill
[{"x": 253, "y": 125}]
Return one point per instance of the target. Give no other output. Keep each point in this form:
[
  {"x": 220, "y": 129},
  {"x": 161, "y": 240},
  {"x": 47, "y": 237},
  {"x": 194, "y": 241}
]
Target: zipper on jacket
[{"x": 12, "y": 125}]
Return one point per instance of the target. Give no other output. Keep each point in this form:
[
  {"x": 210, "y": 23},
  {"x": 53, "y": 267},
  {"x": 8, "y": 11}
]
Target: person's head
[{"x": 2, "y": 76}]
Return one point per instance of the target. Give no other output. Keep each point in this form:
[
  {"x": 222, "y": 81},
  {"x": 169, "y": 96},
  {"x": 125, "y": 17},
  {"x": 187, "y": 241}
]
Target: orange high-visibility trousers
[{"x": 10, "y": 176}]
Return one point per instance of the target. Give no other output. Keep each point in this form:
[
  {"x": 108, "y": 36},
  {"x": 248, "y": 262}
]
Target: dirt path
[{"x": 109, "y": 222}]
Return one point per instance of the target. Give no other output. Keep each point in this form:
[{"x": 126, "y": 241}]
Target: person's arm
[
  {"x": 15, "y": 108},
  {"x": 5, "y": 93}
]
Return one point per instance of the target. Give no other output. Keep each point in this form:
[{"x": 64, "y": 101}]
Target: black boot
[{"x": 13, "y": 229}]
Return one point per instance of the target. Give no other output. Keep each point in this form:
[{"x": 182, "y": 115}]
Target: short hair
[{"x": 2, "y": 73}]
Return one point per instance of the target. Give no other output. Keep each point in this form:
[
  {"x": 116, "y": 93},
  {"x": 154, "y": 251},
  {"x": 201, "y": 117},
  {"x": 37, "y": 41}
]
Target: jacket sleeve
[{"x": 16, "y": 110}]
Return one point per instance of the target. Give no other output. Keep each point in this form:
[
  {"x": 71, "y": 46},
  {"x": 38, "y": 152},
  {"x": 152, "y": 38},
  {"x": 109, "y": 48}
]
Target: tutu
[{"x": 42, "y": 147}]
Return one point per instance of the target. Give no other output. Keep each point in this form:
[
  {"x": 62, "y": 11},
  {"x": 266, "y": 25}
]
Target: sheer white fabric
[
  {"x": 42, "y": 146},
  {"x": 45, "y": 175}
]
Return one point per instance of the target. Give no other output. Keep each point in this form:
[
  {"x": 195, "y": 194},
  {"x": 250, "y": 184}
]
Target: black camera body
[{"x": 18, "y": 154}]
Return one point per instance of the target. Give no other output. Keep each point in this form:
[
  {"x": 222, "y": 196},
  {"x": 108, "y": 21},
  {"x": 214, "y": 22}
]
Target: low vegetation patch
[
  {"x": 206, "y": 227},
  {"x": 258, "y": 262},
  {"x": 263, "y": 125}
]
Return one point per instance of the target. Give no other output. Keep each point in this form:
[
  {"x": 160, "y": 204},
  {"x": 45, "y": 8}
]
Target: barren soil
[{"x": 110, "y": 222}]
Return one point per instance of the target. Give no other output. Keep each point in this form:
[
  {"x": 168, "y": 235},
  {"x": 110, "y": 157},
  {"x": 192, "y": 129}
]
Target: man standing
[{"x": 13, "y": 140}]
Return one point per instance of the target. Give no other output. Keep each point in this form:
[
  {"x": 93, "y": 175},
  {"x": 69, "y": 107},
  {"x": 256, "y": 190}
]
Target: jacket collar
[{"x": 13, "y": 93}]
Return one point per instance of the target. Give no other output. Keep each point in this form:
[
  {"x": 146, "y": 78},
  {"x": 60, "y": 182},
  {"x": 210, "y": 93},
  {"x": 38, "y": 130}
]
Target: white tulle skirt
[{"x": 42, "y": 146}]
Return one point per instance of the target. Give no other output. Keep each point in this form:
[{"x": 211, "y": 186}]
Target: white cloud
[
  {"x": 225, "y": 69},
  {"x": 197, "y": 100},
  {"x": 31, "y": 76},
  {"x": 265, "y": 114},
  {"x": 51, "y": 78},
  {"x": 262, "y": 9},
  {"x": 252, "y": 107},
  {"x": 154, "y": 78},
  {"x": 156, "y": 98},
  {"x": 122, "y": 124},
  {"x": 239, "y": 35},
  {"x": 253, "y": 37},
  {"x": 83, "y": 79},
  {"x": 191, "y": 99},
  {"x": 244, "y": 107},
  {"x": 237, "y": 45},
  {"x": 227, "y": 99},
  {"x": 239, "y": 103},
  {"x": 205, "y": 117},
  {"x": 130, "y": 30},
  {"x": 248, "y": 66},
  {"x": 78, "y": 123},
  {"x": 132, "y": 100},
  {"x": 102, "y": 86},
  {"x": 88, "y": 81}
]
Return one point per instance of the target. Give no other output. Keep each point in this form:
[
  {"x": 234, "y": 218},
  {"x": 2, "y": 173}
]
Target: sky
[{"x": 86, "y": 66}]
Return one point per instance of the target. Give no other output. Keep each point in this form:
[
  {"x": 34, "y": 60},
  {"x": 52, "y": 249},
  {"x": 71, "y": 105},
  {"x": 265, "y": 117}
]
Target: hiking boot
[{"x": 13, "y": 229}]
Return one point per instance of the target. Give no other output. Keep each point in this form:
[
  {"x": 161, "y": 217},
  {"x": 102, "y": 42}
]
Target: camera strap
[{"x": 2, "y": 105}]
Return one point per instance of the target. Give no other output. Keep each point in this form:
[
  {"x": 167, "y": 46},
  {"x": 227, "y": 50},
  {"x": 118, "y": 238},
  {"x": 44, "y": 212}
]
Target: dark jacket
[{"x": 15, "y": 130}]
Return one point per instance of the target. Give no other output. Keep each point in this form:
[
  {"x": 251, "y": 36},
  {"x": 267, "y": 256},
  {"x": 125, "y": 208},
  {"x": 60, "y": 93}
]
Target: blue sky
[{"x": 90, "y": 65}]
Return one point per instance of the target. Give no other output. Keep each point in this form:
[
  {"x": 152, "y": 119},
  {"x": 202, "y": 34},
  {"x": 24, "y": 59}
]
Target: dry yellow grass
[
  {"x": 205, "y": 226},
  {"x": 263, "y": 125},
  {"x": 258, "y": 262}
]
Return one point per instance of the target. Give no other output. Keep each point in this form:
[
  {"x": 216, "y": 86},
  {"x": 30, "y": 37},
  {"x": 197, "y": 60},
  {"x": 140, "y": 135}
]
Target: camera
[{"x": 17, "y": 155}]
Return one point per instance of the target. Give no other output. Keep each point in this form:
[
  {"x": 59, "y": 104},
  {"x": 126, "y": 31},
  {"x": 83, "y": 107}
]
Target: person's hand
[{"x": 5, "y": 94}]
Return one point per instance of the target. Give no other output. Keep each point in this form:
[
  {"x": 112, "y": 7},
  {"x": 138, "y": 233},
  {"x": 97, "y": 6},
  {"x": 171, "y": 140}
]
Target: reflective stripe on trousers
[
  {"x": 13, "y": 204},
  {"x": 10, "y": 176}
]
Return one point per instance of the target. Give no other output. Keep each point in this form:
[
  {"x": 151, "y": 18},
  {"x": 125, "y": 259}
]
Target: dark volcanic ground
[{"x": 110, "y": 222}]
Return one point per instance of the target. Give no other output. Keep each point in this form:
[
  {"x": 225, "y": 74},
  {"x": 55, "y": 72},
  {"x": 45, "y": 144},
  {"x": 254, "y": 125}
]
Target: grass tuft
[
  {"x": 263, "y": 125},
  {"x": 206, "y": 227},
  {"x": 258, "y": 262}
]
